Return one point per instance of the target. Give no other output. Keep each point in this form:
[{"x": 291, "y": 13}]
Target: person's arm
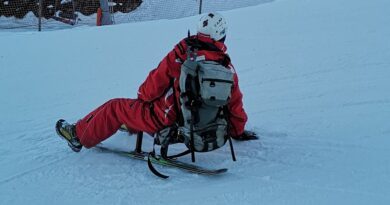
[
  {"x": 158, "y": 80},
  {"x": 237, "y": 115}
]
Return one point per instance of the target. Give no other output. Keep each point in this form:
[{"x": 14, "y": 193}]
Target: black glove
[{"x": 246, "y": 136}]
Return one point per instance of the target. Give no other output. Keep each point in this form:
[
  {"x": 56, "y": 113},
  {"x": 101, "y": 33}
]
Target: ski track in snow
[{"x": 30, "y": 171}]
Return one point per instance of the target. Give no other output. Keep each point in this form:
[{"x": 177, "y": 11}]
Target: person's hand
[{"x": 246, "y": 136}]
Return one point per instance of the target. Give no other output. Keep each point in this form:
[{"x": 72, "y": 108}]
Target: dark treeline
[{"x": 19, "y": 8}]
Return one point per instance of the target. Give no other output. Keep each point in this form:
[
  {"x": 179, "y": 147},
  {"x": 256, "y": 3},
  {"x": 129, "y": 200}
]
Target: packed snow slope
[{"x": 315, "y": 77}]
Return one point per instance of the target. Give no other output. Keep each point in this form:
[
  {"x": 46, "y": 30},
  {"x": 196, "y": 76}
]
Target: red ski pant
[{"x": 104, "y": 121}]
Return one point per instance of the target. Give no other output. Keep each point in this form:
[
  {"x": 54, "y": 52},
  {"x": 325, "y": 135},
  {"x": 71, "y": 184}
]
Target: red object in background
[{"x": 99, "y": 17}]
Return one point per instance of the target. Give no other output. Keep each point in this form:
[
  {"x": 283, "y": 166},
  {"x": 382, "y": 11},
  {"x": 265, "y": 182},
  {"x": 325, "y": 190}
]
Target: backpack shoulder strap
[{"x": 179, "y": 115}]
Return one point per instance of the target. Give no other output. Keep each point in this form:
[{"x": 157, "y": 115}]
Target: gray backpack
[{"x": 205, "y": 89}]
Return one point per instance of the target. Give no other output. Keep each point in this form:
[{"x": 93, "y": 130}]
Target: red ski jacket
[{"x": 162, "y": 84}]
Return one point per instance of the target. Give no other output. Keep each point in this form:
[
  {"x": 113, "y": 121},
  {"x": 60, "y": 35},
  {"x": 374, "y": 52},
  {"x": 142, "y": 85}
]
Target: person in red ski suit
[{"x": 157, "y": 104}]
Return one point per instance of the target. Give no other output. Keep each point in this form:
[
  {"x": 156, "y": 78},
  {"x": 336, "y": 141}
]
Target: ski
[{"x": 157, "y": 159}]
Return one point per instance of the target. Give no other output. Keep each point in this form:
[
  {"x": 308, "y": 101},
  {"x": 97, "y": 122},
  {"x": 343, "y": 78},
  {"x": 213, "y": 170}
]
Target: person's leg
[{"x": 104, "y": 121}]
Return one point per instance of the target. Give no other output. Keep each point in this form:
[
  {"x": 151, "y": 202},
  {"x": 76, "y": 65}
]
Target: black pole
[
  {"x": 138, "y": 145},
  {"x": 200, "y": 6},
  {"x": 232, "y": 149},
  {"x": 74, "y": 11},
  {"x": 192, "y": 138},
  {"x": 40, "y": 15}
]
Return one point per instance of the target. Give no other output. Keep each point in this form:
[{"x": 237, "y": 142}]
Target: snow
[{"x": 315, "y": 77}]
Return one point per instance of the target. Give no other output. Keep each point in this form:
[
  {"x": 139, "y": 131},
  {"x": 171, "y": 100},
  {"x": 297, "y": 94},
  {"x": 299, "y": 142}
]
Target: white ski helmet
[{"x": 212, "y": 25}]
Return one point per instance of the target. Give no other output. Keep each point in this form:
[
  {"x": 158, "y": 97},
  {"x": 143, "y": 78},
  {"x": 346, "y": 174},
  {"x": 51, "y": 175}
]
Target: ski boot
[{"x": 68, "y": 132}]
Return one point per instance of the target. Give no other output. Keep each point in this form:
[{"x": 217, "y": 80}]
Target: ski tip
[{"x": 220, "y": 171}]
